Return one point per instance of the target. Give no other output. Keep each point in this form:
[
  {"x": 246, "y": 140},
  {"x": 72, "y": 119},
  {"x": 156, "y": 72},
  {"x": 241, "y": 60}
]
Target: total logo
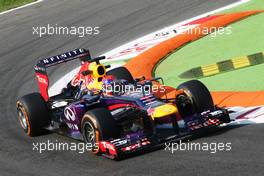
[{"x": 42, "y": 80}]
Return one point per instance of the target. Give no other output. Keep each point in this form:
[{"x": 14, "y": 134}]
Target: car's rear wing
[{"x": 43, "y": 64}]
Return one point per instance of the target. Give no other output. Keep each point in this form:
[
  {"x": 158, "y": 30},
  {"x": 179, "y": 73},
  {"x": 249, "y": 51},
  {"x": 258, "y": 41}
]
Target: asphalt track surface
[{"x": 119, "y": 21}]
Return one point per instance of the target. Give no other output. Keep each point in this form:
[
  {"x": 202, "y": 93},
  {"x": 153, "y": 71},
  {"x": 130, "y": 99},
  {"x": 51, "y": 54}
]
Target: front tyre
[
  {"x": 98, "y": 125},
  {"x": 33, "y": 114},
  {"x": 198, "y": 94}
]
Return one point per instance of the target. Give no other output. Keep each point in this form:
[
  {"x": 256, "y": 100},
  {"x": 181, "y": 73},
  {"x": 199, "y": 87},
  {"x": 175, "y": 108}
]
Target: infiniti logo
[{"x": 69, "y": 114}]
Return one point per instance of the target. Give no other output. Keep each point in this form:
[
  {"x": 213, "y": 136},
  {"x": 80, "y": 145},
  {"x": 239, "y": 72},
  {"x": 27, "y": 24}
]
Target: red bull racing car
[{"x": 114, "y": 112}]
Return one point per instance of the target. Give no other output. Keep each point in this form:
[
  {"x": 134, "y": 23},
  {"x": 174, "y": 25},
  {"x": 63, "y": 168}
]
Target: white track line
[{"x": 20, "y": 7}]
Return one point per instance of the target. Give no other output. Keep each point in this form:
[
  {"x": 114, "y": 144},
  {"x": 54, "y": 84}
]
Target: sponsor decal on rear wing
[
  {"x": 65, "y": 57},
  {"x": 43, "y": 64}
]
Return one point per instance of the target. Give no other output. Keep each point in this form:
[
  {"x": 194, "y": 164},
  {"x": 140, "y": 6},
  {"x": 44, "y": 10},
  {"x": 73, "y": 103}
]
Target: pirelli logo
[{"x": 224, "y": 66}]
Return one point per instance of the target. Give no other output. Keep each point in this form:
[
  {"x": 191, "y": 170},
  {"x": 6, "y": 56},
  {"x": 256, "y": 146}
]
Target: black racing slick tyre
[
  {"x": 97, "y": 125},
  {"x": 121, "y": 73},
  {"x": 33, "y": 114},
  {"x": 199, "y": 95}
]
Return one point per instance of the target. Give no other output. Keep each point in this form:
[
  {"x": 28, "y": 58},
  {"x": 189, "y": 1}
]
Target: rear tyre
[
  {"x": 121, "y": 73},
  {"x": 199, "y": 95},
  {"x": 33, "y": 114},
  {"x": 97, "y": 125}
]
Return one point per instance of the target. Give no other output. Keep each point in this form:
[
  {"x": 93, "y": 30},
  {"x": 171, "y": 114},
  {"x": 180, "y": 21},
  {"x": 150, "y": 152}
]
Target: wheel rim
[
  {"x": 89, "y": 133},
  {"x": 22, "y": 119}
]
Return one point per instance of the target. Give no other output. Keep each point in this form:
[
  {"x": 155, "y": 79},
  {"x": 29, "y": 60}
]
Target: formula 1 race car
[{"x": 114, "y": 112}]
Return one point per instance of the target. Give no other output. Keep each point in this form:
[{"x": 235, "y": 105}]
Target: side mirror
[{"x": 108, "y": 66}]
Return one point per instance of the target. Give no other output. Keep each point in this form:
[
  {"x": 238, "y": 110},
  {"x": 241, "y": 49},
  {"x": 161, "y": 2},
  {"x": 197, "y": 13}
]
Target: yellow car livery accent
[{"x": 163, "y": 111}]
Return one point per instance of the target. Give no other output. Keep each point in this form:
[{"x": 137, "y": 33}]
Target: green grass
[
  {"x": 9, "y": 4},
  {"x": 246, "y": 38}
]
